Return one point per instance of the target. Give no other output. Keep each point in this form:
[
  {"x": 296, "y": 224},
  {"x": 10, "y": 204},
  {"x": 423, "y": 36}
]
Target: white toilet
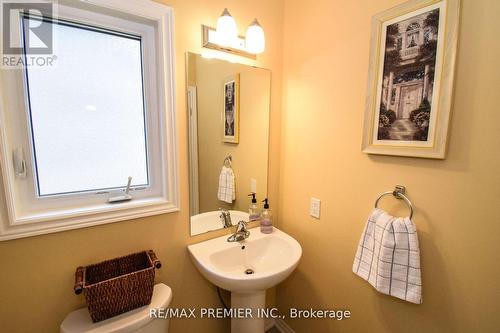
[{"x": 137, "y": 320}]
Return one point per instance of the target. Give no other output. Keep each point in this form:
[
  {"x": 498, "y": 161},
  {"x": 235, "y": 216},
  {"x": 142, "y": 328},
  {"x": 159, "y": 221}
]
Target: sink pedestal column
[{"x": 255, "y": 300}]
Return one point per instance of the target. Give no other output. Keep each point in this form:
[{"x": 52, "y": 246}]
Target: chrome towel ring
[
  {"x": 398, "y": 193},
  {"x": 228, "y": 160}
]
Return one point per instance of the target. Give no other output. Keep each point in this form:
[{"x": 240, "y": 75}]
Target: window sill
[{"x": 39, "y": 223}]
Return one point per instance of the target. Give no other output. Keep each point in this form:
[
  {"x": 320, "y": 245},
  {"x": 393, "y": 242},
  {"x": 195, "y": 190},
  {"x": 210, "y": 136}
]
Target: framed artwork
[
  {"x": 410, "y": 79},
  {"x": 231, "y": 112}
]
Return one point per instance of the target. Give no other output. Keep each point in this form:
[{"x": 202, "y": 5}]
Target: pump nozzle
[
  {"x": 254, "y": 200},
  {"x": 266, "y": 204}
]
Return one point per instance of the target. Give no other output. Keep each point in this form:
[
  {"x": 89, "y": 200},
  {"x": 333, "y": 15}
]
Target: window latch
[
  {"x": 19, "y": 163},
  {"x": 126, "y": 196}
]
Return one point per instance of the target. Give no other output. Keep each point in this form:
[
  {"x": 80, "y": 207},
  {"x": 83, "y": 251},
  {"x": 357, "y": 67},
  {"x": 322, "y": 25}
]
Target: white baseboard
[{"x": 282, "y": 326}]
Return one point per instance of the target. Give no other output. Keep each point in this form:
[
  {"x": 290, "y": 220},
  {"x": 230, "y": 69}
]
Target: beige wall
[
  {"x": 250, "y": 155},
  {"x": 326, "y": 47},
  {"x": 36, "y": 274},
  {"x": 191, "y": 59}
]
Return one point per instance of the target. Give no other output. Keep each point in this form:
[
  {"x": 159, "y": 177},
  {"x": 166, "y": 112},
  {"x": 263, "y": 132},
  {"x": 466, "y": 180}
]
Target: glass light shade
[
  {"x": 227, "y": 32},
  {"x": 255, "y": 39}
]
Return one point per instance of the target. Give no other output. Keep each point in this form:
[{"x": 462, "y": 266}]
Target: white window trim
[{"x": 14, "y": 226}]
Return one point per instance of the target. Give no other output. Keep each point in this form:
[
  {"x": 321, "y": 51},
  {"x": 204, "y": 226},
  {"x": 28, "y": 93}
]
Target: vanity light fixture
[{"x": 225, "y": 37}]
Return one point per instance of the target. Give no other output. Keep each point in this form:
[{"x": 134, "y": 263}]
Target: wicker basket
[{"x": 118, "y": 285}]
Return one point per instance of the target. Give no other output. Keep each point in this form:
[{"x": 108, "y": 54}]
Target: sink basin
[
  {"x": 270, "y": 257},
  {"x": 247, "y": 269},
  {"x": 209, "y": 221}
]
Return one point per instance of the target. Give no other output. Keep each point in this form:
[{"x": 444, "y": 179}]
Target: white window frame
[{"x": 22, "y": 212}]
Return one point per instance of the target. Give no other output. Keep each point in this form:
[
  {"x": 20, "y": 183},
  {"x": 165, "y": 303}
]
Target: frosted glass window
[{"x": 87, "y": 112}]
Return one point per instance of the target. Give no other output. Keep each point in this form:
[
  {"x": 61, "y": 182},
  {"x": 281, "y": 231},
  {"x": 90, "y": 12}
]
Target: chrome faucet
[
  {"x": 240, "y": 234},
  {"x": 225, "y": 218}
]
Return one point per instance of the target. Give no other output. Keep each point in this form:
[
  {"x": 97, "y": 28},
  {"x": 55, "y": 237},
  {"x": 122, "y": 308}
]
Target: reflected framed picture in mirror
[{"x": 231, "y": 110}]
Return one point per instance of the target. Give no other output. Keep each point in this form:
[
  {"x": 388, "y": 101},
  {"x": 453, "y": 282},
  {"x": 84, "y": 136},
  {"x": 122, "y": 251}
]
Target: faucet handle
[
  {"x": 242, "y": 226},
  {"x": 240, "y": 234}
]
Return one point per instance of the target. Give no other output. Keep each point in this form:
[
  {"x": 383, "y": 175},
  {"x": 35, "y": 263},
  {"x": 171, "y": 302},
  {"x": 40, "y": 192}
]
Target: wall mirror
[{"x": 228, "y": 110}]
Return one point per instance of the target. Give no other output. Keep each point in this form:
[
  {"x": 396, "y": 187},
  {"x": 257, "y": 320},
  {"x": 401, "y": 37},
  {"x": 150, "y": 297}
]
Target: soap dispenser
[
  {"x": 266, "y": 221},
  {"x": 252, "y": 209}
]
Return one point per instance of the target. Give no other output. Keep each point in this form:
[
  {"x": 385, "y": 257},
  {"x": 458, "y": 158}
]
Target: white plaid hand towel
[
  {"x": 388, "y": 256},
  {"x": 227, "y": 188}
]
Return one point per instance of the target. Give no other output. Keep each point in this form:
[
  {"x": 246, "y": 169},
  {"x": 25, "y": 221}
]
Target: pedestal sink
[{"x": 247, "y": 269}]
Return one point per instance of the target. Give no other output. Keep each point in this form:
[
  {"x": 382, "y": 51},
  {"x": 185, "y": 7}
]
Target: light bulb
[
  {"x": 255, "y": 39},
  {"x": 227, "y": 33}
]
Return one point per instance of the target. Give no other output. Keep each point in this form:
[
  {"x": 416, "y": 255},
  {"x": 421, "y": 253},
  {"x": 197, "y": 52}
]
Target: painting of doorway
[{"x": 410, "y": 78}]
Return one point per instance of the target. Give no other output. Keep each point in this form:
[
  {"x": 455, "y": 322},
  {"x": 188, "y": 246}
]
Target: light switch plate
[{"x": 315, "y": 208}]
